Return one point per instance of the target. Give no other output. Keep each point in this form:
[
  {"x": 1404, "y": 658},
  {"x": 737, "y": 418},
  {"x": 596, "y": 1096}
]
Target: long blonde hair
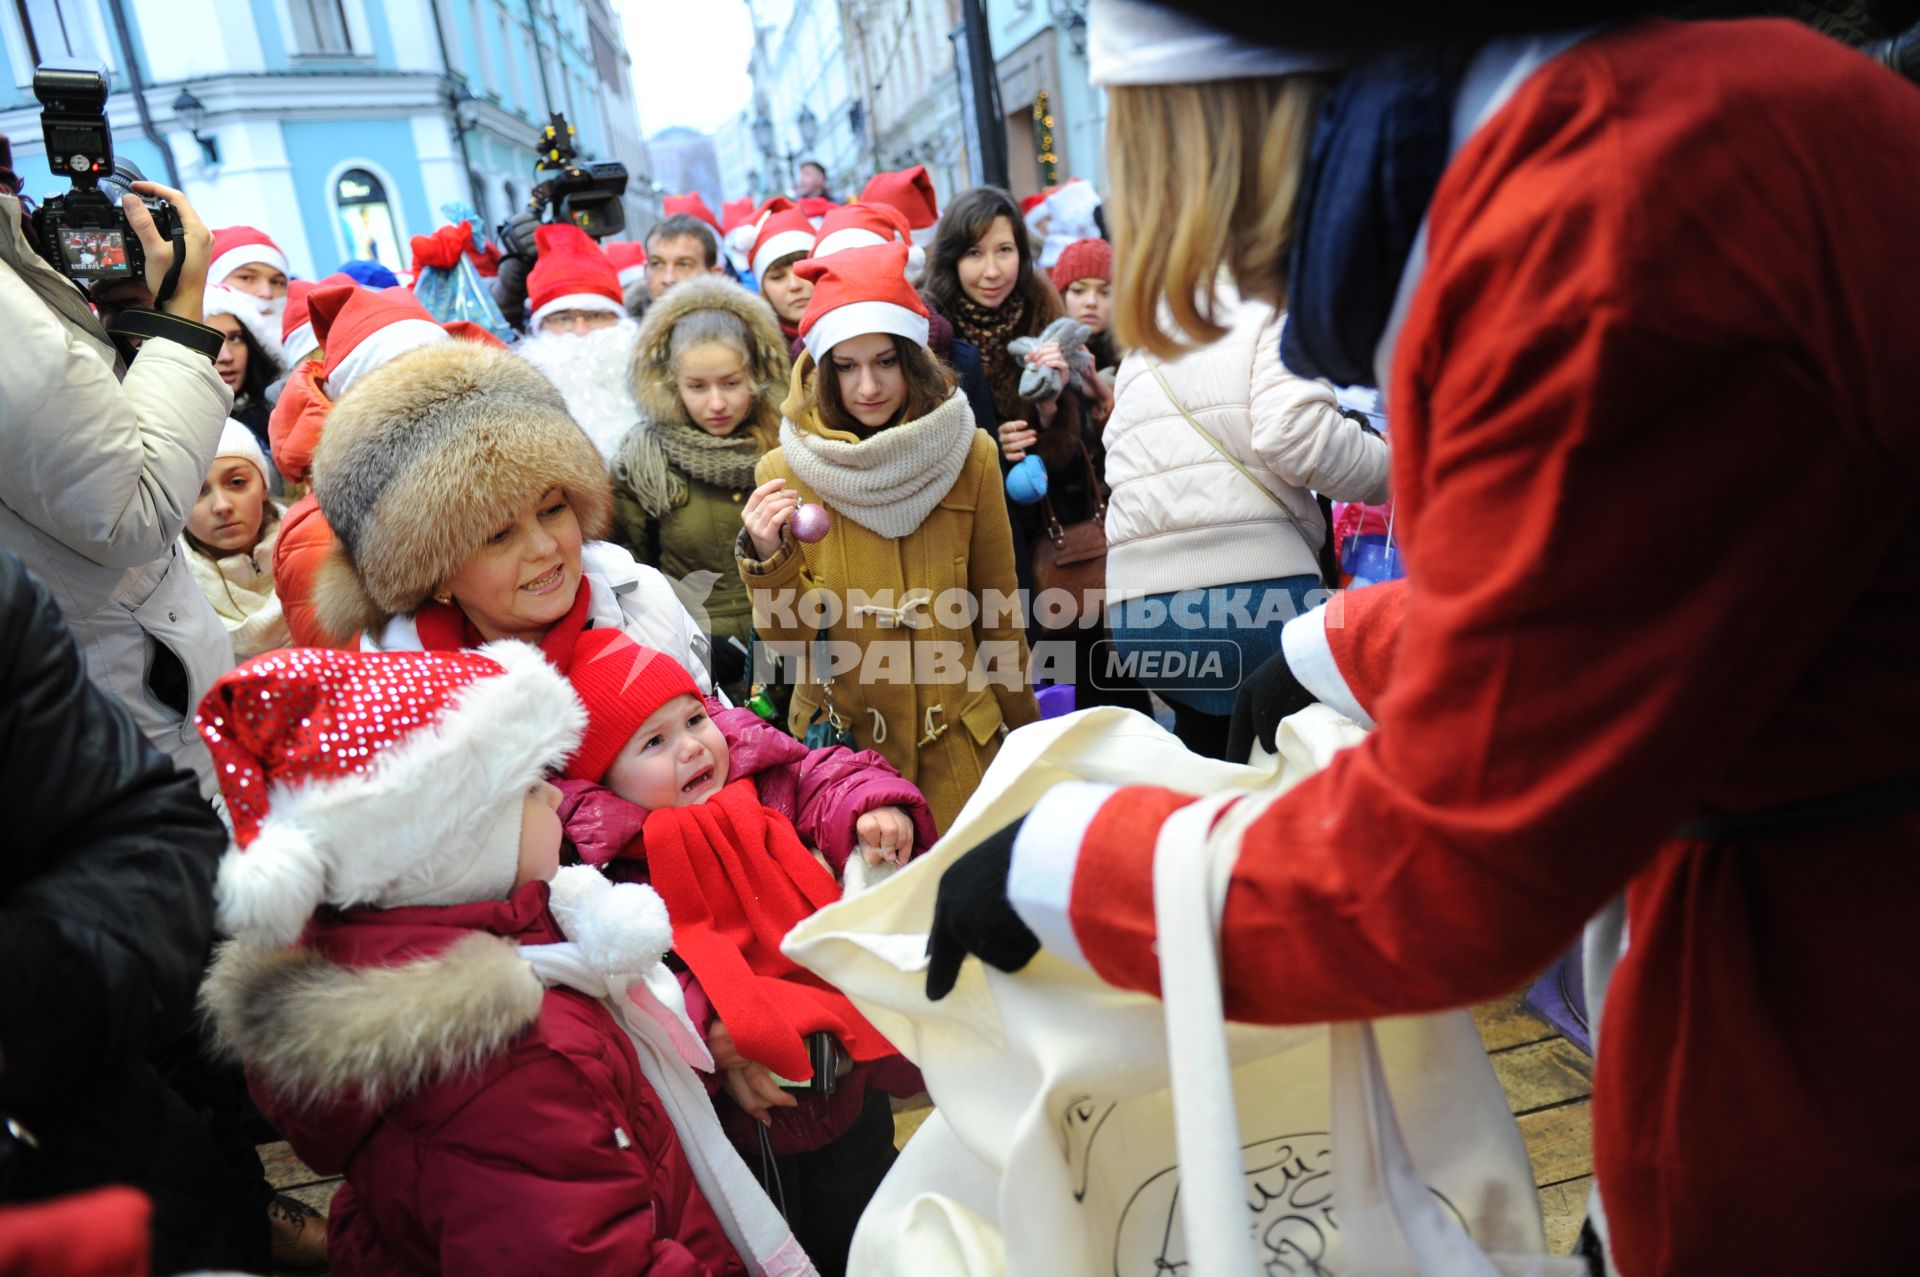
[{"x": 1203, "y": 177}]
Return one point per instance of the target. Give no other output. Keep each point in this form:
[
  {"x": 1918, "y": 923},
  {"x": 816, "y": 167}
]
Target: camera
[
  {"x": 588, "y": 195},
  {"x": 830, "y": 1063},
  {"x": 84, "y": 234}
]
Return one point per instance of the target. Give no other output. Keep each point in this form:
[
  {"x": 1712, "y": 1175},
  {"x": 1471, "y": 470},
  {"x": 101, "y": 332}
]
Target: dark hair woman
[
  {"x": 249, "y": 362},
  {"x": 982, "y": 278}
]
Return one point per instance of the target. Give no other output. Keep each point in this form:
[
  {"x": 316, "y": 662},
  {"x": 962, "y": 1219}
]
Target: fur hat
[
  {"x": 621, "y": 684},
  {"x": 385, "y": 779},
  {"x": 424, "y": 459}
]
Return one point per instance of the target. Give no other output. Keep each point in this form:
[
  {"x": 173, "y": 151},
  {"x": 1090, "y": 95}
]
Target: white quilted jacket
[{"x": 1181, "y": 517}]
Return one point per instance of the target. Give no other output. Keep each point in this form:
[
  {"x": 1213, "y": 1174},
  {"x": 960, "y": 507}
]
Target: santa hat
[
  {"x": 1030, "y": 202},
  {"x": 740, "y": 239},
  {"x": 361, "y": 330},
  {"x": 297, "y": 341},
  {"x": 621, "y": 684},
  {"x": 425, "y": 460},
  {"x": 237, "y": 246},
  {"x": 693, "y": 206},
  {"x": 910, "y": 191},
  {"x": 1083, "y": 259},
  {"x": 629, "y": 260},
  {"x": 860, "y": 226},
  {"x": 246, "y": 309},
  {"x": 571, "y": 274},
  {"x": 238, "y": 441},
  {"x": 781, "y": 235},
  {"x": 858, "y": 291},
  {"x": 735, "y": 213},
  {"x": 1134, "y": 42},
  {"x": 383, "y": 779}
]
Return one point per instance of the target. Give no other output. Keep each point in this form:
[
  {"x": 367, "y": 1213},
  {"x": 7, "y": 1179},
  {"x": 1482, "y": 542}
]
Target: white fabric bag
[{"x": 1060, "y": 1145}]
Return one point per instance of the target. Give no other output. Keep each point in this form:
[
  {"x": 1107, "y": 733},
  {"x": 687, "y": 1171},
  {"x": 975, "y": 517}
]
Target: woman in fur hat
[
  {"x": 708, "y": 372},
  {"x": 468, "y": 507},
  {"x": 916, "y": 564}
]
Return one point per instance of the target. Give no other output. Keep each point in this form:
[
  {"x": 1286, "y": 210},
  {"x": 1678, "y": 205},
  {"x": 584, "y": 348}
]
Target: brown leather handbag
[{"x": 1073, "y": 557}]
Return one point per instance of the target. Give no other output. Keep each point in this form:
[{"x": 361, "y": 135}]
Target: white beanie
[
  {"x": 238, "y": 441},
  {"x": 1133, "y": 42}
]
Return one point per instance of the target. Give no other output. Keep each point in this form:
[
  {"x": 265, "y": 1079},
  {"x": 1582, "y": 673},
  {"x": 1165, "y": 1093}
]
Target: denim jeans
[{"x": 1195, "y": 647}]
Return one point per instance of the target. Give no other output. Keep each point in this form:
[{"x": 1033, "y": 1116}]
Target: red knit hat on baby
[
  {"x": 362, "y": 329},
  {"x": 571, "y": 274},
  {"x": 858, "y": 291},
  {"x": 629, "y": 259},
  {"x": 781, "y": 235},
  {"x": 383, "y": 779},
  {"x": 910, "y": 191},
  {"x": 1083, "y": 259},
  {"x": 621, "y": 684},
  {"x": 693, "y": 206},
  {"x": 237, "y": 246}
]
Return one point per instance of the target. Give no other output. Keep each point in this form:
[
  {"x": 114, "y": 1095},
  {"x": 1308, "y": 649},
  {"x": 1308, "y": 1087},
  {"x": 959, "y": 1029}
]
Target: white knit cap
[
  {"x": 238, "y": 441},
  {"x": 1132, "y": 42}
]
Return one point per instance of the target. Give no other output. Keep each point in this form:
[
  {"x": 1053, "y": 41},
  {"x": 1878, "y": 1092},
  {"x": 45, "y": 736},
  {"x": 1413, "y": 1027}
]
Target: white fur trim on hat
[
  {"x": 383, "y": 346},
  {"x": 781, "y": 245},
  {"x": 245, "y": 308},
  {"x": 847, "y": 237},
  {"x": 856, "y": 319},
  {"x": 247, "y": 255},
  {"x": 297, "y": 346},
  {"x": 630, "y": 275},
  {"x": 406, "y": 827},
  {"x": 238, "y": 441},
  {"x": 574, "y": 301},
  {"x": 1132, "y": 42}
]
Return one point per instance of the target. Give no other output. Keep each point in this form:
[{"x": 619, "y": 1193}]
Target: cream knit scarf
[{"x": 891, "y": 480}]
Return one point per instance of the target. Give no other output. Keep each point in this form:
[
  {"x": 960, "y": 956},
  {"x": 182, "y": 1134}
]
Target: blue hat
[{"x": 369, "y": 274}]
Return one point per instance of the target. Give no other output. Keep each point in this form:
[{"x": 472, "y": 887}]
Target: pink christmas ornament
[{"x": 810, "y": 522}]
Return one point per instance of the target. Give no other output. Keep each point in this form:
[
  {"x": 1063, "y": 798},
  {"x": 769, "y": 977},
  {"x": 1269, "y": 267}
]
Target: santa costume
[{"x": 588, "y": 368}]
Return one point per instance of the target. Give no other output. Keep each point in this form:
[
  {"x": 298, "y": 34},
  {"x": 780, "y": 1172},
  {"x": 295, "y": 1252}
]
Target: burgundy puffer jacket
[{"x": 484, "y": 1124}]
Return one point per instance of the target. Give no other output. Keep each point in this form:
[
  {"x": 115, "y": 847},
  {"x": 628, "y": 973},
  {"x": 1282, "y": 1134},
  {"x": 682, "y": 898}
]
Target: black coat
[{"x": 107, "y": 862}]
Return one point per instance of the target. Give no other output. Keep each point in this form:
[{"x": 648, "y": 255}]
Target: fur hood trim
[
  {"x": 426, "y": 458},
  {"x": 312, "y": 1029},
  {"x": 651, "y": 371}
]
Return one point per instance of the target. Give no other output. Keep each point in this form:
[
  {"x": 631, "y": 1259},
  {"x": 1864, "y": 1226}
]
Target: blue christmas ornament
[{"x": 1027, "y": 481}]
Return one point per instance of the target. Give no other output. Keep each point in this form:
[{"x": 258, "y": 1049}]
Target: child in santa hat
[
  {"x": 717, "y": 809},
  {"x": 230, "y": 536},
  {"x": 487, "y": 1048},
  {"x": 707, "y": 374},
  {"x": 876, "y": 431},
  {"x": 579, "y": 333}
]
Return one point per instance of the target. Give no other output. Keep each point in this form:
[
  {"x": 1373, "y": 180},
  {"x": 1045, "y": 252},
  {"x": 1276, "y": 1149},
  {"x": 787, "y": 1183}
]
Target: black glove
[
  {"x": 971, "y": 914},
  {"x": 516, "y": 236},
  {"x": 1268, "y": 695}
]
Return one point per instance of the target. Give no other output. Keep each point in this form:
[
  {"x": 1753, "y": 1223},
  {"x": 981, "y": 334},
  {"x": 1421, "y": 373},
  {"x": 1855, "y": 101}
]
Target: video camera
[
  {"x": 588, "y": 195},
  {"x": 84, "y": 234}
]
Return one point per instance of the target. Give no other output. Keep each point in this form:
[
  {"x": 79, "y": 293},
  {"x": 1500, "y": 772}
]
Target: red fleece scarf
[
  {"x": 443, "y": 627},
  {"x": 736, "y": 878}
]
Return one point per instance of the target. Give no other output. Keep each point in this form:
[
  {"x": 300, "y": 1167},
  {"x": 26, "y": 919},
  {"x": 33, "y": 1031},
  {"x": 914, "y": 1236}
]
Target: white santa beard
[{"x": 590, "y": 371}]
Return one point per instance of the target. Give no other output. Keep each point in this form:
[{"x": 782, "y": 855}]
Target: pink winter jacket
[{"x": 822, "y": 791}]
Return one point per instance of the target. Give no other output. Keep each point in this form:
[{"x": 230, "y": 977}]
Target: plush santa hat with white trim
[
  {"x": 246, "y": 309},
  {"x": 863, "y": 225},
  {"x": 858, "y": 291},
  {"x": 910, "y": 191},
  {"x": 237, "y": 246},
  {"x": 571, "y": 274},
  {"x": 781, "y": 235},
  {"x": 693, "y": 206},
  {"x": 378, "y": 779},
  {"x": 629, "y": 260},
  {"x": 361, "y": 329}
]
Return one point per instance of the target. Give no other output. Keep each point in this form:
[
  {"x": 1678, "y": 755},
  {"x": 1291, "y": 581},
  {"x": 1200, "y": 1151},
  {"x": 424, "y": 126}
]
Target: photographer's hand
[{"x": 189, "y": 293}]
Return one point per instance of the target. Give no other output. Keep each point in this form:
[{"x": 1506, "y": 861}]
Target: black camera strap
[
  {"x": 146, "y": 324},
  {"x": 172, "y": 279}
]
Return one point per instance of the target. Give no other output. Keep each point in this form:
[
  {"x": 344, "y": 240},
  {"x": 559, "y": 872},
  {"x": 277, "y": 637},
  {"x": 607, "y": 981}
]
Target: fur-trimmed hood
[{"x": 651, "y": 371}]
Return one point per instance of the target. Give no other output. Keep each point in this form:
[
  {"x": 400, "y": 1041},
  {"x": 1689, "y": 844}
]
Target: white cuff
[
  {"x": 1303, "y": 641},
  {"x": 1045, "y": 855}
]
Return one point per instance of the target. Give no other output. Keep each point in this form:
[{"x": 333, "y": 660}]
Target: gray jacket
[{"x": 97, "y": 475}]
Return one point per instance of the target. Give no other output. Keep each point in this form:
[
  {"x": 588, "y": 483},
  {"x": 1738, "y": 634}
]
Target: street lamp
[
  {"x": 808, "y": 126},
  {"x": 1071, "y": 16},
  {"x": 190, "y": 111},
  {"x": 762, "y": 129},
  {"x": 763, "y": 133}
]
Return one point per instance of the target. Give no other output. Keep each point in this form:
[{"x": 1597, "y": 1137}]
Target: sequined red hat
[{"x": 378, "y": 778}]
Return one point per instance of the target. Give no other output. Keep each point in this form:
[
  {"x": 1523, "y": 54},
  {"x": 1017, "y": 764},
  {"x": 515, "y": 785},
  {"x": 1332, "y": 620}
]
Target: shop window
[{"x": 366, "y": 218}]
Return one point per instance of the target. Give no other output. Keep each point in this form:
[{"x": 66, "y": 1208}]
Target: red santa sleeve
[{"x": 1606, "y": 482}]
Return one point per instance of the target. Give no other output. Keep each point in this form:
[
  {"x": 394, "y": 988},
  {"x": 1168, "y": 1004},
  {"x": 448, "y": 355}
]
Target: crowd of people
[{"x": 500, "y": 696}]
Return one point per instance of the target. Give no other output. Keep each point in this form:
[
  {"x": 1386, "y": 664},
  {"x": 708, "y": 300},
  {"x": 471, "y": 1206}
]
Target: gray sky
[{"x": 689, "y": 60}]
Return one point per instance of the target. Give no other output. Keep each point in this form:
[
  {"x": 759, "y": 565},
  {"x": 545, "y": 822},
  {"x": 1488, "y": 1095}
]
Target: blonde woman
[{"x": 1604, "y": 284}]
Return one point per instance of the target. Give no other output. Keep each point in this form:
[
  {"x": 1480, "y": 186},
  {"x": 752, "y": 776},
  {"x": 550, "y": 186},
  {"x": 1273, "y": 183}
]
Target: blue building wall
[{"x": 385, "y": 147}]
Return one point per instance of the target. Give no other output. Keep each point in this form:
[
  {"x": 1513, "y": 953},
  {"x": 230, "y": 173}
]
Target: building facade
[
  {"x": 909, "y": 77},
  {"x": 684, "y": 161},
  {"x": 339, "y": 126},
  {"x": 1055, "y": 119},
  {"x": 803, "y": 92}
]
